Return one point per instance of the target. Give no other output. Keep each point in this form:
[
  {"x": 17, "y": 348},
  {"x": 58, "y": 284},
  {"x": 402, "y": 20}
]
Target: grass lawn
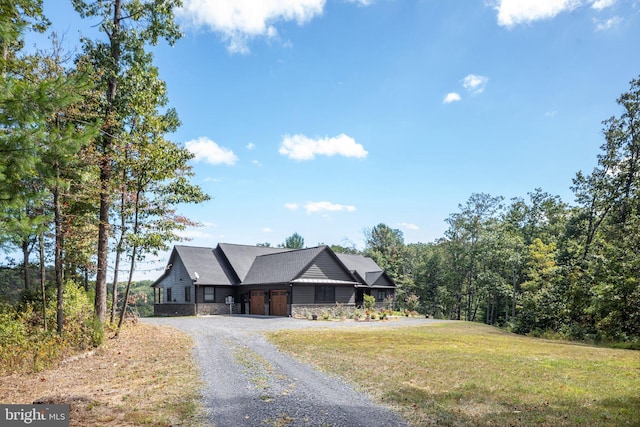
[{"x": 468, "y": 374}]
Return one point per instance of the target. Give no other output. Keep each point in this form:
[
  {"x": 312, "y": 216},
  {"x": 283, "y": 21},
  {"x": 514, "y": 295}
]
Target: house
[{"x": 265, "y": 281}]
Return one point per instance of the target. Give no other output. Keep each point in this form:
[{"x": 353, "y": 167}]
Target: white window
[{"x": 209, "y": 294}]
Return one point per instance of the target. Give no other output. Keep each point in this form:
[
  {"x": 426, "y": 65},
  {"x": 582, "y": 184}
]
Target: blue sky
[{"x": 324, "y": 117}]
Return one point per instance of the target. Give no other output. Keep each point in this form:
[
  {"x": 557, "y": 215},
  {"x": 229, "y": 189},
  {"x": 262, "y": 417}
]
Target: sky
[{"x": 327, "y": 117}]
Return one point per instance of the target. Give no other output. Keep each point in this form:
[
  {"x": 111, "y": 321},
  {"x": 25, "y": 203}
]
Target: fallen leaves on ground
[{"x": 145, "y": 377}]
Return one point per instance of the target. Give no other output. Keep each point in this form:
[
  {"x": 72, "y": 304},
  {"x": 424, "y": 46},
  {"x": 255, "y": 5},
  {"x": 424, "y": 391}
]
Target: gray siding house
[{"x": 264, "y": 281}]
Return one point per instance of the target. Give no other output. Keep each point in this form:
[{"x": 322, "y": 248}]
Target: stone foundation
[
  {"x": 207, "y": 309},
  {"x": 172, "y": 309},
  {"x": 204, "y": 309},
  {"x": 301, "y": 310}
]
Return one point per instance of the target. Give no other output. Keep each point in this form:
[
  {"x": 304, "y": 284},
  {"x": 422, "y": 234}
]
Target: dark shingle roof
[
  {"x": 230, "y": 264},
  {"x": 204, "y": 262},
  {"x": 366, "y": 269},
  {"x": 360, "y": 264},
  {"x": 280, "y": 267},
  {"x": 241, "y": 257}
]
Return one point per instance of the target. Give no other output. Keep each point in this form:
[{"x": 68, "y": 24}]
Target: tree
[
  {"x": 605, "y": 287},
  {"x": 25, "y": 102},
  {"x": 468, "y": 235},
  {"x": 65, "y": 138},
  {"x": 295, "y": 241},
  {"x": 129, "y": 26},
  {"x": 385, "y": 246},
  {"x": 40, "y": 140},
  {"x": 158, "y": 183},
  {"x": 343, "y": 249}
]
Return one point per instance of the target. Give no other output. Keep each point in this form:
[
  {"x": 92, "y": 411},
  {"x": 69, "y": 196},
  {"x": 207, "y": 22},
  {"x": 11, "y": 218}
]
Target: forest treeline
[{"x": 538, "y": 264}]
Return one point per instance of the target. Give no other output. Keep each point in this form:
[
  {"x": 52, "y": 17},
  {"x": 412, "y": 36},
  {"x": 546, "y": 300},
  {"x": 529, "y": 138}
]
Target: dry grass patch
[
  {"x": 467, "y": 374},
  {"x": 145, "y": 377}
]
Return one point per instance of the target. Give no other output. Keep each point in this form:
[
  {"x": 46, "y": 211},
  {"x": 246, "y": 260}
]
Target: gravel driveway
[{"x": 248, "y": 382}]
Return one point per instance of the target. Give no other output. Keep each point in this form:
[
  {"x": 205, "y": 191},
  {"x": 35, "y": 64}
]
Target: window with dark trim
[
  {"x": 325, "y": 294},
  {"x": 209, "y": 294},
  {"x": 187, "y": 294},
  {"x": 169, "y": 295},
  {"x": 381, "y": 296}
]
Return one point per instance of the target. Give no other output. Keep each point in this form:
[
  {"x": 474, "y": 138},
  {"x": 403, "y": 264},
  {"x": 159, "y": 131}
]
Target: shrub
[
  {"x": 412, "y": 302},
  {"x": 369, "y": 302},
  {"x": 339, "y": 311},
  {"x": 24, "y": 344}
]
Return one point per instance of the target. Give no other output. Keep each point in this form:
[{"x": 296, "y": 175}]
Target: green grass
[{"x": 468, "y": 374}]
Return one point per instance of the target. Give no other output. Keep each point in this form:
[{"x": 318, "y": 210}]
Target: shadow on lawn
[{"x": 474, "y": 406}]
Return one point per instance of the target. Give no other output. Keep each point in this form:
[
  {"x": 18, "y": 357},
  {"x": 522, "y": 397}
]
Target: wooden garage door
[
  {"x": 257, "y": 302},
  {"x": 278, "y": 303}
]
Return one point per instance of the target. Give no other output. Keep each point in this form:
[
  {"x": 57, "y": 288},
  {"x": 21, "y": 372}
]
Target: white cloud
[
  {"x": 239, "y": 21},
  {"x": 291, "y": 206},
  {"x": 475, "y": 84},
  {"x": 207, "y": 150},
  {"x": 251, "y": 146},
  {"x": 361, "y": 2},
  {"x": 300, "y": 147},
  {"x": 608, "y": 24},
  {"x": 409, "y": 226},
  {"x": 451, "y": 97},
  {"x": 312, "y": 207},
  {"x": 514, "y": 12},
  {"x": 267, "y": 230},
  {"x": 193, "y": 234},
  {"x": 602, "y": 4}
]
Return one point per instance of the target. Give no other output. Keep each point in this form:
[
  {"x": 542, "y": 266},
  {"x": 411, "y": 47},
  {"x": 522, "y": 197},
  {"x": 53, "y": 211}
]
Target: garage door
[
  {"x": 278, "y": 303},
  {"x": 257, "y": 302}
]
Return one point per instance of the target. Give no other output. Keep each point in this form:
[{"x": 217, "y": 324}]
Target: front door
[
  {"x": 278, "y": 303},
  {"x": 257, "y": 302}
]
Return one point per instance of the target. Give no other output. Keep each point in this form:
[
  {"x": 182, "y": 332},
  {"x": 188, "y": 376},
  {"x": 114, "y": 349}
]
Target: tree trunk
[
  {"x": 114, "y": 286},
  {"x": 25, "y": 264},
  {"x": 43, "y": 280},
  {"x": 105, "y": 173},
  {"x": 58, "y": 257},
  {"x": 125, "y": 302},
  {"x": 134, "y": 254}
]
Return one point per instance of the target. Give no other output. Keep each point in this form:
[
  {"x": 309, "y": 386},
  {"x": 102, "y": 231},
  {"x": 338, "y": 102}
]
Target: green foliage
[
  {"x": 26, "y": 347},
  {"x": 412, "y": 302},
  {"x": 295, "y": 241},
  {"x": 369, "y": 302}
]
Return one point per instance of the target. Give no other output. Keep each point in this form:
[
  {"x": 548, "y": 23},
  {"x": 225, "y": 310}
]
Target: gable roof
[
  {"x": 367, "y": 270},
  {"x": 232, "y": 264},
  {"x": 293, "y": 266},
  {"x": 242, "y": 257},
  {"x": 203, "y": 262},
  {"x": 280, "y": 267}
]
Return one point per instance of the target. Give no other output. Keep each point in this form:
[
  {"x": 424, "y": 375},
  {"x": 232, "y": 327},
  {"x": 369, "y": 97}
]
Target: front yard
[{"x": 468, "y": 374}]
